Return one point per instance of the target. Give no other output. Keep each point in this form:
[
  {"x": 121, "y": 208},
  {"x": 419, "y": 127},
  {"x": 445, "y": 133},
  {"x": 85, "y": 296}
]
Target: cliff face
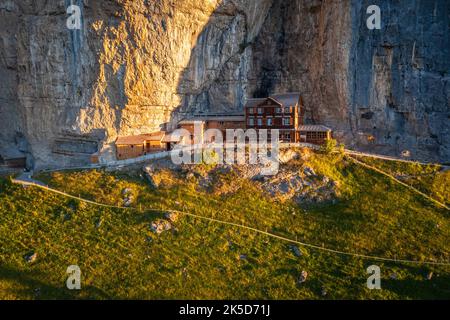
[
  {"x": 386, "y": 91},
  {"x": 136, "y": 66}
]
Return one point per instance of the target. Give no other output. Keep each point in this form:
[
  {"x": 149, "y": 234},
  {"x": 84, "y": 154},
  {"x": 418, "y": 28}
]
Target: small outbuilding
[
  {"x": 315, "y": 134},
  {"x": 136, "y": 146}
]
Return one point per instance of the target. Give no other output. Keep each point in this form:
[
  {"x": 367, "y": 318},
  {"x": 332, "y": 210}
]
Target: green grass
[
  {"x": 123, "y": 259},
  {"x": 430, "y": 179}
]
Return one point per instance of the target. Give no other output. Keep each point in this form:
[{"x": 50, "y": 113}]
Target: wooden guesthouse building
[{"x": 285, "y": 113}]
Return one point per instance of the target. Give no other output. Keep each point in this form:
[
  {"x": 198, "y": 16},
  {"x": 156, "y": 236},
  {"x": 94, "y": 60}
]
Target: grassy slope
[
  {"x": 123, "y": 259},
  {"x": 430, "y": 179}
]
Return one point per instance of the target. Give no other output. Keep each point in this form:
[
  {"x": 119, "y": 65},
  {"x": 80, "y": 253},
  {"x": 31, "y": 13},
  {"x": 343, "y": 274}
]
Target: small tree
[{"x": 328, "y": 147}]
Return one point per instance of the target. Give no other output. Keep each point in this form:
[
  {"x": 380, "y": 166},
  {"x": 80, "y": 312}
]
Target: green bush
[{"x": 328, "y": 147}]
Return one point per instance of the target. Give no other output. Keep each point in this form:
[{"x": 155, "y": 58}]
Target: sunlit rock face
[
  {"x": 67, "y": 93},
  {"x": 138, "y": 66}
]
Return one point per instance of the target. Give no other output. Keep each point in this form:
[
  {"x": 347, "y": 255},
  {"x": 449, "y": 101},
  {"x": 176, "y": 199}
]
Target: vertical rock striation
[
  {"x": 385, "y": 90},
  {"x": 137, "y": 66}
]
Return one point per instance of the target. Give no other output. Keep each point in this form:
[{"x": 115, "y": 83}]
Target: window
[
  {"x": 259, "y": 122},
  {"x": 286, "y": 121},
  {"x": 269, "y": 121},
  {"x": 251, "y": 110},
  {"x": 287, "y": 110},
  {"x": 260, "y": 110},
  {"x": 278, "y": 110},
  {"x": 251, "y": 121},
  {"x": 285, "y": 136},
  {"x": 316, "y": 135}
]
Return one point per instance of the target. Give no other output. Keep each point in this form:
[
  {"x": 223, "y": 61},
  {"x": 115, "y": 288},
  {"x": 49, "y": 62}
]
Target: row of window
[
  {"x": 268, "y": 122},
  {"x": 285, "y": 136},
  {"x": 316, "y": 135},
  {"x": 260, "y": 110}
]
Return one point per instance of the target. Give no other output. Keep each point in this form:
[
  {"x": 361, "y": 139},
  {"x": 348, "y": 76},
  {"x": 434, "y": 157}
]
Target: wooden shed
[
  {"x": 140, "y": 145},
  {"x": 315, "y": 134}
]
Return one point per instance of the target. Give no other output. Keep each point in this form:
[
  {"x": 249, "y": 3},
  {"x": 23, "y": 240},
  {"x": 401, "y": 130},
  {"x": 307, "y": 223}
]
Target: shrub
[{"x": 328, "y": 147}]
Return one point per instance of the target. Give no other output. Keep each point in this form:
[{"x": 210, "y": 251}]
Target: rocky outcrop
[{"x": 136, "y": 66}]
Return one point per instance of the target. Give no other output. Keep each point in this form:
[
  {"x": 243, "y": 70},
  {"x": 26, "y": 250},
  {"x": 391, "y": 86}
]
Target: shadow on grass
[{"x": 28, "y": 285}]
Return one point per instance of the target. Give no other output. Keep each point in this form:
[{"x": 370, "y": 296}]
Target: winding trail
[{"x": 30, "y": 182}]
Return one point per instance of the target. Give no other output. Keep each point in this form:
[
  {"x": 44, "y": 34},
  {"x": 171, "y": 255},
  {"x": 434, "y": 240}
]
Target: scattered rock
[
  {"x": 98, "y": 223},
  {"x": 303, "y": 277},
  {"x": 324, "y": 292},
  {"x": 31, "y": 257},
  {"x": 37, "y": 292},
  {"x": 126, "y": 191},
  {"x": 430, "y": 275},
  {"x": 300, "y": 187},
  {"x": 159, "y": 226},
  {"x": 242, "y": 257},
  {"x": 288, "y": 155},
  {"x": 172, "y": 216},
  {"x": 190, "y": 176},
  {"x": 393, "y": 276},
  {"x": 127, "y": 202},
  {"x": 308, "y": 171},
  {"x": 295, "y": 250}
]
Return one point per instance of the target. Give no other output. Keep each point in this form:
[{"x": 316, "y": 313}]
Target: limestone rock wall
[
  {"x": 68, "y": 92},
  {"x": 384, "y": 91},
  {"x": 139, "y": 65}
]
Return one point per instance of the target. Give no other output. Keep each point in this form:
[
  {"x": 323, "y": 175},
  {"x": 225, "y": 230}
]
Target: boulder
[
  {"x": 295, "y": 250},
  {"x": 31, "y": 257},
  {"x": 303, "y": 277},
  {"x": 159, "y": 226},
  {"x": 126, "y": 191},
  {"x": 308, "y": 171},
  {"x": 172, "y": 216}
]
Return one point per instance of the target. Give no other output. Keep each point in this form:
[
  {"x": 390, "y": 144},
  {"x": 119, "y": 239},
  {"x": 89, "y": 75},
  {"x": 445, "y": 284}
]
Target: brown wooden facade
[
  {"x": 315, "y": 134},
  {"x": 219, "y": 122},
  {"x": 285, "y": 113},
  {"x": 140, "y": 145},
  {"x": 280, "y": 112}
]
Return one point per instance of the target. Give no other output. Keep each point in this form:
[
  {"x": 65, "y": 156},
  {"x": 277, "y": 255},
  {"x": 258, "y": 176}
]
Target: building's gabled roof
[
  {"x": 226, "y": 118},
  {"x": 287, "y": 99},
  {"x": 284, "y": 99},
  {"x": 169, "y": 137},
  {"x": 314, "y": 128},
  {"x": 254, "y": 102},
  {"x": 140, "y": 139},
  {"x": 191, "y": 121},
  {"x": 214, "y": 117}
]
